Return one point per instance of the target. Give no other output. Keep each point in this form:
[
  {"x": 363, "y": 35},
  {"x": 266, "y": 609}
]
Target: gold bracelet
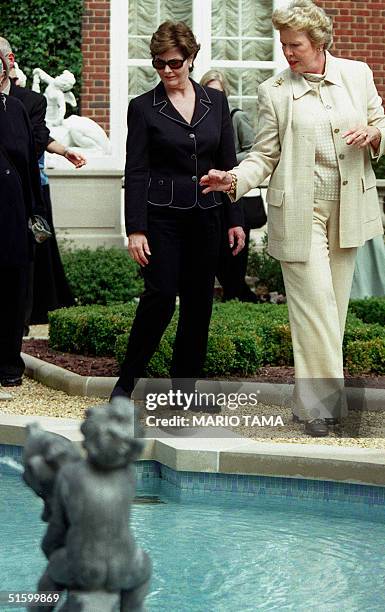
[{"x": 233, "y": 186}]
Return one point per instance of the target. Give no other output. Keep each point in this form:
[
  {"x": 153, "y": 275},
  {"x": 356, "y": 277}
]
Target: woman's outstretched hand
[{"x": 215, "y": 180}]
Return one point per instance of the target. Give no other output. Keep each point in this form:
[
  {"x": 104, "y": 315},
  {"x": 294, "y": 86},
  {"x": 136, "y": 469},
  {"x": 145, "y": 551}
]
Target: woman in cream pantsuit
[{"x": 320, "y": 122}]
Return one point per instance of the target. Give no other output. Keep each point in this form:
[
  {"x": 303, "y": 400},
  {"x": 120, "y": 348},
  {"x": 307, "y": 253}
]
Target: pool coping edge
[{"x": 238, "y": 456}]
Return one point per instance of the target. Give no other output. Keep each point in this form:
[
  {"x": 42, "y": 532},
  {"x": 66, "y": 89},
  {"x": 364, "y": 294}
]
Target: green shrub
[
  {"x": 236, "y": 345},
  {"x": 378, "y": 355},
  {"x": 120, "y": 347},
  {"x": 379, "y": 168},
  {"x": 102, "y": 276},
  {"x": 242, "y": 338},
  {"x": 161, "y": 360},
  {"x": 363, "y": 356},
  {"x": 89, "y": 329},
  {"x": 362, "y": 332},
  {"x": 357, "y": 357},
  {"x": 369, "y": 310},
  {"x": 221, "y": 355},
  {"x": 265, "y": 268},
  {"x": 249, "y": 354}
]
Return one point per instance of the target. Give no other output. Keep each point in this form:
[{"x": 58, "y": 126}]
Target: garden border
[{"x": 359, "y": 398}]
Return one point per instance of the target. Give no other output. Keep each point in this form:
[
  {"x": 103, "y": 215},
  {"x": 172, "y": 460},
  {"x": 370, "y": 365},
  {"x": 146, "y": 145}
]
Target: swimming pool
[{"x": 218, "y": 551}]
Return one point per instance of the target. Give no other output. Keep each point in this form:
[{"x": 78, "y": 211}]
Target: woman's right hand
[
  {"x": 138, "y": 248},
  {"x": 216, "y": 180}
]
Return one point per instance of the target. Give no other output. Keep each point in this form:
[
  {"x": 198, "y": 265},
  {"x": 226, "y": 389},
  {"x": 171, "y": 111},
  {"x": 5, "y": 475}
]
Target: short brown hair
[{"x": 174, "y": 34}]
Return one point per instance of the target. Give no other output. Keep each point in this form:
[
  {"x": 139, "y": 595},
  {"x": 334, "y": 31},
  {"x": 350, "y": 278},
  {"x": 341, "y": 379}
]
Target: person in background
[
  {"x": 232, "y": 270},
  {"x": 20, "y": 198},
  {"x": 176, "y": 132},
  {"x": 47, "y": 288},
  {"x": 369, "y": 273},
  {"x": 320, "y": 122}
]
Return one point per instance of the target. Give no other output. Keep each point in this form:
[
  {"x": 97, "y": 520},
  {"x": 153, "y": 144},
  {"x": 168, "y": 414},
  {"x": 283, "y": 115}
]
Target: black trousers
[
  {"x": 184, "y": 247},
  {"x": 14, "y": 280},
  {"x": 232, "y": 269},
  {"x": 48, "y": 287}
]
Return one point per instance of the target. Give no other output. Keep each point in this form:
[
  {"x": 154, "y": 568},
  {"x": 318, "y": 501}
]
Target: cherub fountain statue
[{"x": 90, "y": 548}]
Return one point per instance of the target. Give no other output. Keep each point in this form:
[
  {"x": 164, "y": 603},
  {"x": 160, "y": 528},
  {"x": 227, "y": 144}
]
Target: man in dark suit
[
  {"x": 35, "y": 104},
  {"x": 46, "y": 274},
  {"x": 20, "y": 197}
]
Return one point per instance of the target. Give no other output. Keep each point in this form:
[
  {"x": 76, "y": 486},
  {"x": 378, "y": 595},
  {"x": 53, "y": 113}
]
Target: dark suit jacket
[
  {"x": 19, "y": 183},
  {"x": 36, "y": 106},
  {"x": 166, "y": 156}
]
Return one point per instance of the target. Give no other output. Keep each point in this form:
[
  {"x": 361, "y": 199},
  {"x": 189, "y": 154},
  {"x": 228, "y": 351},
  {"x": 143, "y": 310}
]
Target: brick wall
[
  {"x": 95, "y": 98},
  {"x": 359, "y": 33}
]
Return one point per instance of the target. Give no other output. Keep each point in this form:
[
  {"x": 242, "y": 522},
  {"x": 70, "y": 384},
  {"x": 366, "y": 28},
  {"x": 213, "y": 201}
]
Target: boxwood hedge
[
  {"x": 242, "y": 338},
  {"x": 369, "y": 310},
  {"x": 102, "y": 276}
]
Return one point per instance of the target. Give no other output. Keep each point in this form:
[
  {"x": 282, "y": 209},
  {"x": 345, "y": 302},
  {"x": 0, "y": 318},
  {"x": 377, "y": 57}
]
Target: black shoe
[
  {"x": 11, "y": 381},
  {"x": 205, "y": 408},
  {"x": 118, "y": 391},
  {"x": 332, "y": 421},
  {"x": 317, "y": 428},
  {"x": 296, "y": 419}
]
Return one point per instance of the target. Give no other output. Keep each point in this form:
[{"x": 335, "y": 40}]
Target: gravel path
[
  {"x": 36, "y": 399},
  {"x": 366, "y": 430}
]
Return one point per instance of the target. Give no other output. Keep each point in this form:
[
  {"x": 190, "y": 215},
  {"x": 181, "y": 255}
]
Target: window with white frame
[
  {"x": 144, "y": 17},
  {"x": 236, "y": 37},
  {"x": 242, "y": 46}
]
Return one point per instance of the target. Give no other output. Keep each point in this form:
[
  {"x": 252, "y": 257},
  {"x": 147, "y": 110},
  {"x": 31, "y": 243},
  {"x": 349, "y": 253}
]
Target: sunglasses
[{"x": 174, "y": 64}]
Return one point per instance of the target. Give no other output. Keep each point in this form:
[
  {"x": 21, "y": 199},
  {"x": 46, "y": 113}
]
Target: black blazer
[
  {"x": 166, "y": 156},
  {"x": 19, "y": 183},
  {"x": 36, "y": 106}
]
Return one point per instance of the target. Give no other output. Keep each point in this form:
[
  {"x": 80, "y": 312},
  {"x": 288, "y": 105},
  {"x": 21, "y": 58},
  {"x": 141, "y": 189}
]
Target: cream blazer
[{"x": 285, "y": 149}]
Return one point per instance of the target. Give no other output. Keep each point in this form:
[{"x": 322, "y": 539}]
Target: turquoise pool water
[{"x": 224, "y": 552}]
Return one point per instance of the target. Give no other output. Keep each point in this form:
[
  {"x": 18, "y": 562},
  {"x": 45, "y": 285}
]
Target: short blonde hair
[
  {"x": 215, "y": 75},
  {"x": 305, "y": 16}
]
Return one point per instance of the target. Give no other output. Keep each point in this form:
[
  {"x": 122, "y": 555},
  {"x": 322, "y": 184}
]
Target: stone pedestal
[{"x": 87, "y": 206}]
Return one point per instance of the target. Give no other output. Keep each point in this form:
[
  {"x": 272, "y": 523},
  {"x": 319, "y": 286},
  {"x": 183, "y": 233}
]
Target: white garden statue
[
  {"x": 75, "y": 131},
  {"x": 20, "y": 75}
]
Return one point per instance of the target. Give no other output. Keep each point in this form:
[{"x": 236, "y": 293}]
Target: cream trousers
[{"x": 318, "y": 293}]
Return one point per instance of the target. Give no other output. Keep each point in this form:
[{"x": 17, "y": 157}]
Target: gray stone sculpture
[
  {"x": 90, "y": 548},
  {"x": 44, "y": 454}
]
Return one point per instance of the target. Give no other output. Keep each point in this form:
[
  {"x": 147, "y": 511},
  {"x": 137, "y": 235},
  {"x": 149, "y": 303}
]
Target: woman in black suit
[
  {"x": 19, "y": 198},
  {"x": 176, "y": 132}
]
